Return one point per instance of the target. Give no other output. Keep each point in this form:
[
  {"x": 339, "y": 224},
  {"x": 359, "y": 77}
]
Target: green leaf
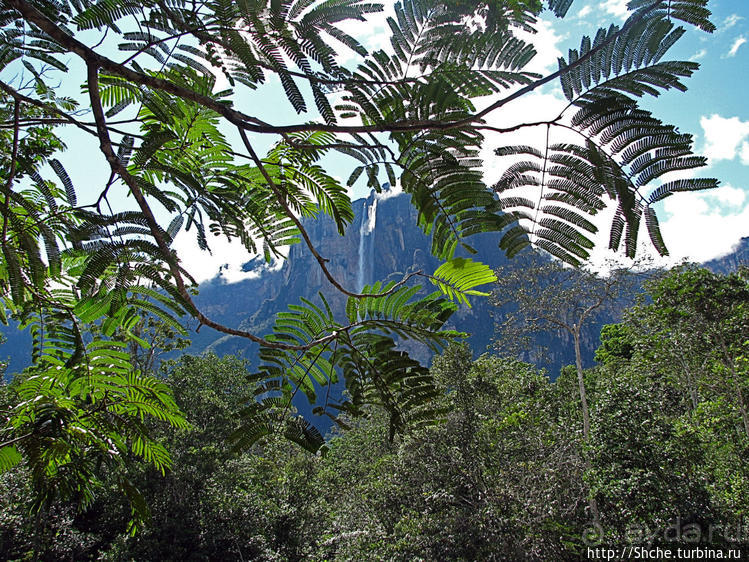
[
  {"x": 9, "y": 457},
  {"x": 458, "y": 277}
]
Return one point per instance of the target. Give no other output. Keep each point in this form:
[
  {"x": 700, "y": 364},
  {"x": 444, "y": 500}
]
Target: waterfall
[
  {"x": 371, "y": 221},
  {"x": 366, "y": 243},
  {"x": 362, "y": 235},
  {"x": 372, "y": 216}
]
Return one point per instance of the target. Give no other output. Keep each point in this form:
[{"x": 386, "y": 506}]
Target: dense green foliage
[
  {"x": 669, "y": 431},
  {"x": 503, "y": 478},
  {"x": 90, "y": 276}
]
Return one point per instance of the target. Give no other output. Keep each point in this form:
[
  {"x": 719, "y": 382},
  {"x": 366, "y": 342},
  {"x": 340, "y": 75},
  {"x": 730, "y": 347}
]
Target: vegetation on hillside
[
  {"x": 507, "y": 476},
  {"x": 100, "y": 455}
]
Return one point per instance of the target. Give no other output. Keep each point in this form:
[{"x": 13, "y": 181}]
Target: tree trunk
[
  {"x": 581, "y": 385},
  {"x": 586, "y": 416},
  {"x": 691, "y": 383}
]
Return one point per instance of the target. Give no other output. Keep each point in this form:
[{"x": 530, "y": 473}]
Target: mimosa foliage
[{"x": 183, "y": 155}]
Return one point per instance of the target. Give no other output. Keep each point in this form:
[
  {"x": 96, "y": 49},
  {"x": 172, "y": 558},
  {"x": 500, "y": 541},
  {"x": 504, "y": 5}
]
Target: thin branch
[
  {"x": 16, "y": 95},
  {"x": 16, "y": 440},
  {"x": 278, "y": 192},
  {"x": 158, "y": 41},
  {"x": 156, "y": 231}
]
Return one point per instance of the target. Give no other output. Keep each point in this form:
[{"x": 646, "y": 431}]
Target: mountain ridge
[{"x": 383, "y": 243}]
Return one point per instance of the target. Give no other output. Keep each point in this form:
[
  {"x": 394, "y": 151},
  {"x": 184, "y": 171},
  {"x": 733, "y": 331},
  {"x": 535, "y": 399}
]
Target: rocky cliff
[{"x": 382, "y": 244}]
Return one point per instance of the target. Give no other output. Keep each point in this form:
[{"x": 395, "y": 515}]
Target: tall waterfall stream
[{"x": 366, "y": 244}]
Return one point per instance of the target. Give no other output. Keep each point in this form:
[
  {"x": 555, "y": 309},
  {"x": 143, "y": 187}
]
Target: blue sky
[
  {"x": 715, "y": 110},
  {"x": 696, "y": 226}
]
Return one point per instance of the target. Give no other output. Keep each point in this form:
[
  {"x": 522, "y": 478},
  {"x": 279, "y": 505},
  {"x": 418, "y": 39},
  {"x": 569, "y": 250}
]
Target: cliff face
[{"x": 383, "y": 243}]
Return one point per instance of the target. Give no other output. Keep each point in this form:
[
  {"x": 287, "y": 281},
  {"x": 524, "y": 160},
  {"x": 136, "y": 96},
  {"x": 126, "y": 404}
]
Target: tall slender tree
[{"x": 547, "y": 297}]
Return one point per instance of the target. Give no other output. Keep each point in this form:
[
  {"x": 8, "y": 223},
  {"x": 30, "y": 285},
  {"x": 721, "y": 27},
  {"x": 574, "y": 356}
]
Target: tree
[
  {"x": 697, "y": 321},
  {"x": 548, "y": 297},
  {"x": 669, "y": 436},
  {"x": 705, "y": 315},
  {"x": 551, "y": 297},
  {"x": 499, "y": 480},
  {"x": 407, "y": 114},
  {"x": 216, "y": 502},
  {"x": 646, "y": 463}
]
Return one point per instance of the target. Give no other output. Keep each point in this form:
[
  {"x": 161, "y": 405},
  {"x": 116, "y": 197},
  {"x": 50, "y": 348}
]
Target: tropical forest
[{"x": 330, "y": 280}]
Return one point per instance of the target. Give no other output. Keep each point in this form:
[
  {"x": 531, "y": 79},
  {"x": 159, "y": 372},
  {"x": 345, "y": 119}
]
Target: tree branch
[
  {"x": 253, "y": 124},
  {"x": 156, "y": 231}
]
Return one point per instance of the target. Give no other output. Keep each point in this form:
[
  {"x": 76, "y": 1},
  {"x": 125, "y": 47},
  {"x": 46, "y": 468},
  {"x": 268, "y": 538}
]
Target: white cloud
[
  {"x": 729, "y": 196},
  {"x": 696, "y": 227},
  {"x": 545, "y": 40},
  {"x": 735, "y": 47},
  {"x": 535, "y": 107},
  {"x": 698, "y": 55},
  {"x": 744, "y": 154},
  {"x": 704, "y": 226},
  {"x": 724, "y": 137},
  {"x": 585, "y": 11},
  {"x": 392, "y": 191},
  {"x": 374, "y": 33},
  {"x": 226, "y": 258},
  {"x": 616, "y": 8},
  {"x": 530, "y": 108},
  {"x": 730, "y": 21}
]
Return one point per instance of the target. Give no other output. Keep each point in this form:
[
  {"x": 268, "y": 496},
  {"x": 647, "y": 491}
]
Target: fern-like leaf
[{"x": 458, "y": 277}]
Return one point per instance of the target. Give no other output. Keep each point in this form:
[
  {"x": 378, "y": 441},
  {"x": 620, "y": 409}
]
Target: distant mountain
[
  {"x": 383, "y": 243},
  {"x": 739, "y": 256}
]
